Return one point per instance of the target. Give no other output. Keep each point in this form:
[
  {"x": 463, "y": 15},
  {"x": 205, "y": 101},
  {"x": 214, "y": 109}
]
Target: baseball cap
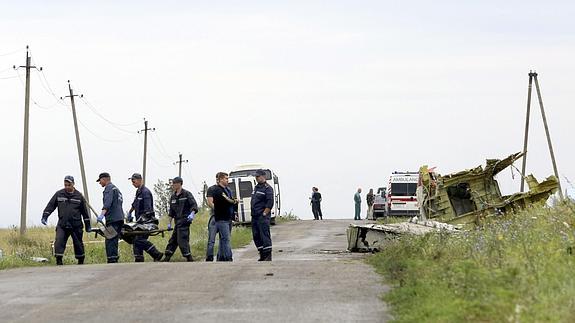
[
  {"x": 103, "y": 175},
  {"x": 177, "y": 179},
  {"x": 136, "y": 176},
  {"x": 260, "y": 172},
  {"x": 69, "y": 179}
]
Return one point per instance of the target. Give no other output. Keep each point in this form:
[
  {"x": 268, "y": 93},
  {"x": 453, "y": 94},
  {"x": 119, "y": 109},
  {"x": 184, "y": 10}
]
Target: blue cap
[
  {"x": 177, "y": 179},
  {"x": 260, "y": 172},
  {"x": 69, "y": 179}
]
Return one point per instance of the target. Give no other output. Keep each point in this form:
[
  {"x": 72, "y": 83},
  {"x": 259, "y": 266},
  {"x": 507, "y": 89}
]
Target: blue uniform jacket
[
  {"x": 143, "y": 202},
  {"x": 262, "y": 198},
  {"x": 113, "y": 204}
]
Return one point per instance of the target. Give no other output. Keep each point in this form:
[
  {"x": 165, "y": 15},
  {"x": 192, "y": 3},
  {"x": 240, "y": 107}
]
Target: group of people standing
[
  {"x": 370, "y": 199},
  {"x": 74, "y": 218}
]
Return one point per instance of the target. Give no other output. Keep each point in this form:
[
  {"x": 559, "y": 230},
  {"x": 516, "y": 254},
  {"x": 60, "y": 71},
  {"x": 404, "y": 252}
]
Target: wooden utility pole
[
  {"x": 78, "y": 144},
  {"x": 526, "y": 138},
  {"x": 179, "y": 163},
  {"x": 548, "y": 135},
  {"x": 533, "y": 77},
  {"x": 24, "y": 198},
  {"x": 145, "y": 131}
]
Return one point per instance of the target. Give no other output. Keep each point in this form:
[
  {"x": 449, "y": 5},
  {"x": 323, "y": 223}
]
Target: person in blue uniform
[
  {"x": 143, "y": 208},
  {"x": 113, "y": 213},
  {"x": 261, "y": 206},
  {"x": 73, "y": 216},
  {"x": 183, "y": 209}
]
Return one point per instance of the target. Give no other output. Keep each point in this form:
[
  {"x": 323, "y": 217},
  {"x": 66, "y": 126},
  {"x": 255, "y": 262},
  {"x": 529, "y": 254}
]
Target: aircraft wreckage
[{"x": 454, "y": 202}]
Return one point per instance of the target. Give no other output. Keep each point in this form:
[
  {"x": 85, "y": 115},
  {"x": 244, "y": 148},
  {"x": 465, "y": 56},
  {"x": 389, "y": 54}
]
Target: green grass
[
  {"x": 37, "y": 243},
  {"x": 517, "y": 269},
  {"x": 286, "y": 217}
]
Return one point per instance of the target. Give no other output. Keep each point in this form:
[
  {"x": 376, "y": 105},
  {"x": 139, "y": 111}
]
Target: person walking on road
[
  {"x": 261, "y": 206},
  {"x": 223, "y": 204},
  {"x": 113, "y": 213},
  {"x": 143, "y": 206},
  {"x": 370, "y": 199},
  {"x": 183, "y": 209},
  {"x": 316, "y": 204},
  {"x": 357, "y": 200},
  {"x": 72, "y": 211}
]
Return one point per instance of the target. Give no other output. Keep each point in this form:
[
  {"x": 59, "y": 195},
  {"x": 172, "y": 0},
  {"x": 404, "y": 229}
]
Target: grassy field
[
  {"x": 518, "y": 269},
  {"x": 37, "y": 243}
]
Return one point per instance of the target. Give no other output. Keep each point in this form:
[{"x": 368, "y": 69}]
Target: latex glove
[
  {"x": 191, "y": 216},
  {"x": 170, "y": 226},
  {"x": 101, "y": 218},
  {"x": 44, "y": 221},
  {"x": 130, "y": 218}
]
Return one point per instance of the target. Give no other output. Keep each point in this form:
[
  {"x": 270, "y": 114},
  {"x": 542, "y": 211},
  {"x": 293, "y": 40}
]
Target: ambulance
[
  {"x": 401, "y": 194},
  {"x": 242, "y": 181}
]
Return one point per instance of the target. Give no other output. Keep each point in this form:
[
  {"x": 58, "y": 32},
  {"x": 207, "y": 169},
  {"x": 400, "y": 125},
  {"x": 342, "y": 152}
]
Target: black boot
[
  {"x": 189, "y": 258},
  {"x": 158, "y": 257},
  {"x": 156, "y": 254},
  {"x": 138, "y": 258},
  {"x": 59, "y": 261},
  {"x": 210, "y": 258},
  {"x": 81, "y": 261},
  {"x": 266, "y": 255},
  {"x": 261, "y": 255},
  {"x": 167, "y": 258}
]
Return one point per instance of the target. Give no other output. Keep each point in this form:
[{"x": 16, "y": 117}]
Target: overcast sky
[{"x": 334, "y": 94}]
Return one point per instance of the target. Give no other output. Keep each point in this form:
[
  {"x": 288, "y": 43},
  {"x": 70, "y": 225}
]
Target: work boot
[
  {"x": 158, "y": 257},
  {"x": 138, "y": 258},
  {"x": 210, "y": 258},
  {"x": 81, "y": 261},
  {"x": 155, "y": 253},
  {"x": 167, "y": 258},
  {"x": 189, "y": 258},
  {"x": 266, "y": 256},
  {"x": 59, "y": 261}
]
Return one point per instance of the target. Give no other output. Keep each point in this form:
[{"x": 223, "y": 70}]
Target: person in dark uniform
[
  {"x": 143, "y": 206},
  {"x": 316, "y": 204},
  {"x": 183, "y": 209},
  {"x": 261, "y": 207},
  {"x": 113, "y": 213},
  {"x": 72, "y": 211},
  {"x": 224, "y": 206}
]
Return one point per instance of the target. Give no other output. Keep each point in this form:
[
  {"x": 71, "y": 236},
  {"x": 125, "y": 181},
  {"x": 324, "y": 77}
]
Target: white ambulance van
[{"x": 242, "y": 182}]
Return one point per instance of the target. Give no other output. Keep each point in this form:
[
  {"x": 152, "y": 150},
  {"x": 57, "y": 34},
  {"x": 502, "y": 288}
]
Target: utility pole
[
  {"x": 179, "y": 163},
  {"x": 533, "y": 77},
  {"x": 548, "y": 135},
  {"x": 24, "y": 198},
  {"x": 526, "y": 138},
  {"x": 145, "y": 130},
  {"x": 78, "y": 144}
]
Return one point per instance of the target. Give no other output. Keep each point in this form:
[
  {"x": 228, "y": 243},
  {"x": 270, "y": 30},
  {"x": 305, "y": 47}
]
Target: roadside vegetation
[
  {"x": 37, "y": 242},
  {"x": 517, "y": 269},
  {"x": 286, "y": 217}
]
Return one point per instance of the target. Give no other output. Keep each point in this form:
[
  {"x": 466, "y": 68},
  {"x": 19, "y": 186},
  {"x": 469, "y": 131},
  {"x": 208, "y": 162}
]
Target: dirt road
[{"x": 311, "y": 278}]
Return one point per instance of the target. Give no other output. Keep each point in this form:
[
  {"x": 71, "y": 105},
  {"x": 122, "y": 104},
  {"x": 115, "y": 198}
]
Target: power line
[
  {"x": 116, "y": 125},
  {"x": 102, "y": 138},
  {"x": 14, "y": 52}
]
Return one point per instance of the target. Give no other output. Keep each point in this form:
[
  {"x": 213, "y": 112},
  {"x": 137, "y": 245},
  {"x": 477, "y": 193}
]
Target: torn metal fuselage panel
[{"x": 469, "y": 197}]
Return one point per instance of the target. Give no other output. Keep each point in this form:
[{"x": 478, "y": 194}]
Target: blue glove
[
  {"x": 101, "y": 218},
  {"x": 170, "y": 226},
  {"x": 130, "y": 218},
  {"x": 191, "y": 216},
  {"x": 44, "y": 221}
]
